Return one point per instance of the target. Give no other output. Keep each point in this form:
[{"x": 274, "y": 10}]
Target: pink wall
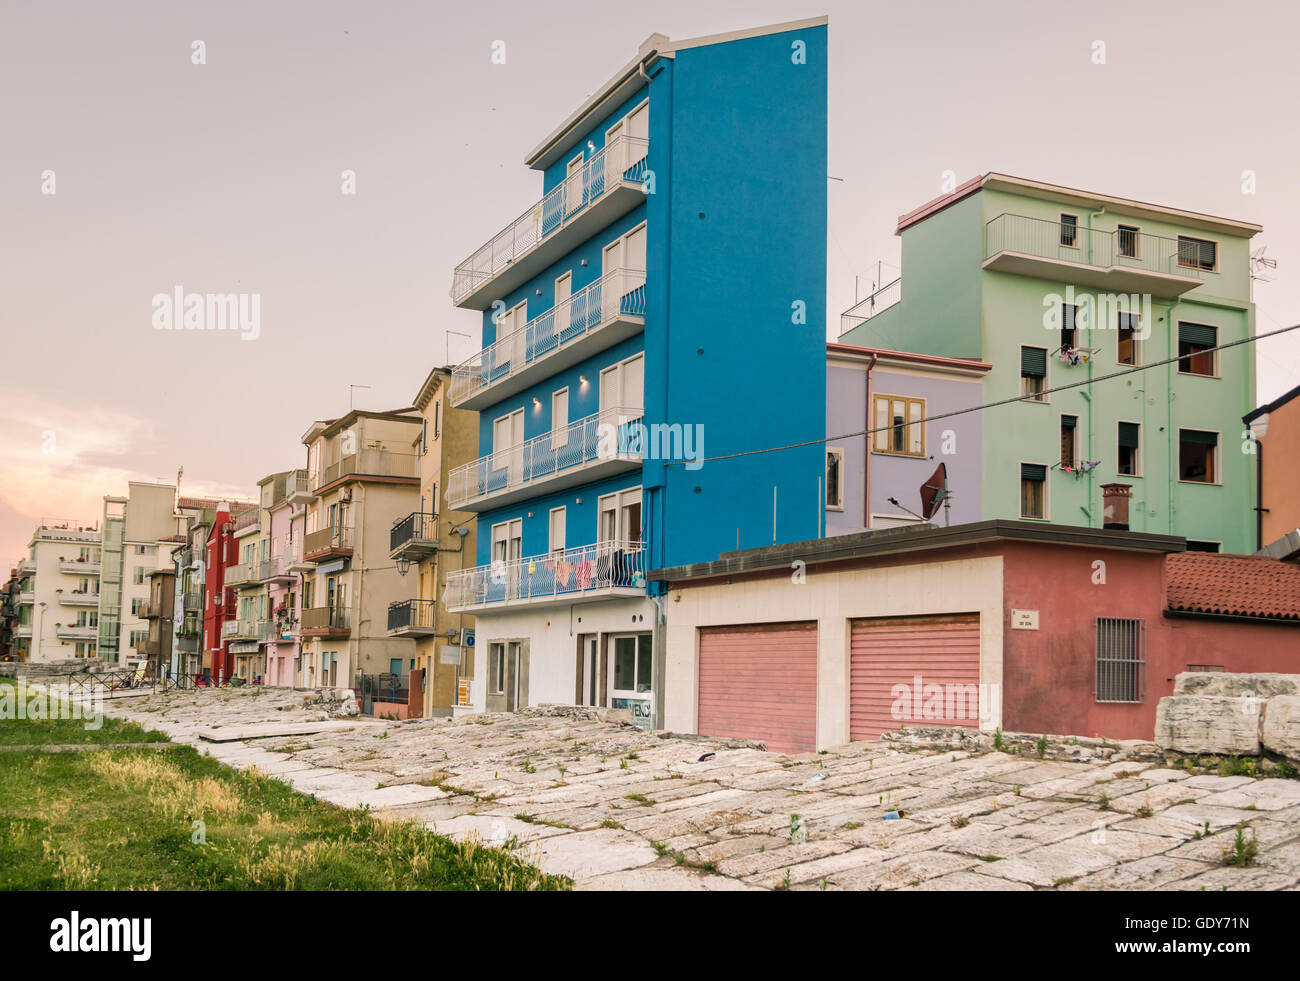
[
  {"x": 281, "y": 655},
  {"x": 1048, "y": 674}
]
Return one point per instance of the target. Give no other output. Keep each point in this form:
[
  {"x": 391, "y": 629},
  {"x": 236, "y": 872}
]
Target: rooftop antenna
[
  {"x": 351, "y": 391},
  {"x": 1259, "y": 261},
  {"x": 446, "y": 338},
  {"x": 934, "y": 492}
]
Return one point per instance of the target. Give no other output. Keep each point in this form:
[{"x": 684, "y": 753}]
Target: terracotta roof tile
[{"x": 1232, "y": 585}]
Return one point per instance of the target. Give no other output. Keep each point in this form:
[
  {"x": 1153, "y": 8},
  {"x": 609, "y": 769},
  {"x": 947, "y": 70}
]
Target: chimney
[{"x": 1114, "y": 505}]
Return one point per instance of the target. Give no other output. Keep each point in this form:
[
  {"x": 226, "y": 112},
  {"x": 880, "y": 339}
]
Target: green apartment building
[{"x": 1055, "y": 286}]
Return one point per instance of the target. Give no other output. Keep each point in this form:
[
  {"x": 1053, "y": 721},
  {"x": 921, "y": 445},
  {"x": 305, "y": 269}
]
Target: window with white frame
[
  {"x": 557, "y": 530},
  {"x": 835, "y": 478}
]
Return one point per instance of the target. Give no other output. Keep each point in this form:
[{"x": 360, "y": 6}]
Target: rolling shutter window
[
  {"x": 1199, "y": 436},
  {"x": 1128, "y": 434},
  {"x": 1033, "y": 471},
  {"x": 1033, "y": 362},
  {"x": 1199, "y": 334},
  {"x": 1069, "y": 422},
  {"x": 1198, "y": 253}
]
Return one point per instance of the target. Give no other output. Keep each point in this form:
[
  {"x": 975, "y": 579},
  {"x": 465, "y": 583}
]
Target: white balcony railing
[
  {"x": 566, "y": 575},
  {"x": 603, "y": 435},
  {"x": 866, "y": 308},
  {"x": 619, "y": 293},
  {"x": 89, "y": 567},
  {"x": 620, "y": 162}
]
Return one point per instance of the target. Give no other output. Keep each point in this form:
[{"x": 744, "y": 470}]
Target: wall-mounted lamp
[
  {"x": 582, "y": 379},
  {"x": 539, "y": 292},
  {"x": 530, "y": 514},
  {"x": 584, "y": 262},
  {"x": 403, "y": 566},
  {"x": 577, "y": 500},
  {"x": 537, "y": 403}
]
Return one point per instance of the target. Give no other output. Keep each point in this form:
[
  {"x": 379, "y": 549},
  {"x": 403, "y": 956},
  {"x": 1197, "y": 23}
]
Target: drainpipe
[
  {"x": 1259, "y": 496},
  {"x": 1171, "y": 333},
  {"x": 1091, "y": 216},
  {"x": 866, "y": 448}
]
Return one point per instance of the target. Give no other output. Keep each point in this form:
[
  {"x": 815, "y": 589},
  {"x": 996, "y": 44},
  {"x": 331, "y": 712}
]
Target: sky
[{"x": 227, "y": 176}]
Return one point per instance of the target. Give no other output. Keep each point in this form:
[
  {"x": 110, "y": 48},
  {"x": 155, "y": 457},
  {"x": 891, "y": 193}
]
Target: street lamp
[{"x": 403, "y": 566}]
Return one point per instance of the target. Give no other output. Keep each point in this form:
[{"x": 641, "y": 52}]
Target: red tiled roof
[{"x": 1232, "y": 585}]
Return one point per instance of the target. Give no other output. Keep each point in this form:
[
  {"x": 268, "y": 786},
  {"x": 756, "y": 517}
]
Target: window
[
  {"x": 1070, "y": 441},
  {"x": 560, "y": 419},
  {"x": 835, "y": 478},
  {"x": 1197, "y": 456},
  {"x": 1070, "y": 230},
  {"x": 620, "y": 517},
  {"x": 1127, "y": 457},
  {"x": 632, "y": 663},
  {"x": 424, "y": 435},
  {"x": 497, "y": 668},
  {"x": 1128, "y": 343},
  {"x": 1069, "y": 326},
  {"x": 1033, "y": 490},
  {"x": 135, "y": 606},
  {"x": 558, "y": 521},
  {"x": 1126, "y": 241},
  {"x": 1198, "y": 253},
  {"x": 1121, "y": 664},
  {"x": 1206, "y": 668},
  {"x": 622, "y": 386},
  {"x": 898, "y": 427},
  {"x": 1195, "y": 349},
  {"x": 437, "y": 419},
  {"x": 139, "y": 575},
  {"x": 1194, "y": 546},
  {"x": 1033, "y": 373}
]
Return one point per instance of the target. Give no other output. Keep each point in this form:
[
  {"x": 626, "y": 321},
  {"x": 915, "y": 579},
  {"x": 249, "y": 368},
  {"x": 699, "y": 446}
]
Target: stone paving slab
[{"x": 618, "y": 808}]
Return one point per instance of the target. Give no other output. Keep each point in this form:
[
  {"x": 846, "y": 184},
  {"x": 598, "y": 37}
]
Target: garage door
[
  {"x": 935, "y": 659},
  {"x": 759, "y": 681}
]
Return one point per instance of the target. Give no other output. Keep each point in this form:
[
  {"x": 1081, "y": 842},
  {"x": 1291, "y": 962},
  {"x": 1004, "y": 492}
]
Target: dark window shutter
[
  {"x": 1069, "y": 422},
  {"x": 1208, "y": 257},
  {"x": 1199, "y": 436},
  {"x": 1033, "y": 362},
  {"x": 1200, "y": 334},
  {"x": 1033, "y": 471},
  {"x": 1128, "y": 434}
]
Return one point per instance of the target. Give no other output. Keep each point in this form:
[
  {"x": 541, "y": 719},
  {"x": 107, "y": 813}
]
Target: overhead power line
[{"x": 989, "y": 405}]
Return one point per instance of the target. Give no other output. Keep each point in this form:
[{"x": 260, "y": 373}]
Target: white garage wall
[{"x": 832, "y": 599}]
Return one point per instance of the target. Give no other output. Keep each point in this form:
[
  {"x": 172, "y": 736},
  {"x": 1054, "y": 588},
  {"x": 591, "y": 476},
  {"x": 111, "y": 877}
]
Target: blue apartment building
[{"x": 662, "y": 303}]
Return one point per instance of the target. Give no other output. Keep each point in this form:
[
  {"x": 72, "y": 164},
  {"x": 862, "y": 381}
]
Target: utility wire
[{"x": 1037, "y": 396}]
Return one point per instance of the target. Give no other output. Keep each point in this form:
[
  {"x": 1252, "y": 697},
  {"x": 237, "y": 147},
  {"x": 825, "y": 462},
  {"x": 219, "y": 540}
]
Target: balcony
[
  {"x": 610, "y": 184},
  {"x": 1110, "y": 261},
  {"x": 576, "y": 575},
  {"x": 76, "y": 631},
  {"x": 274, "y": 569},
  {"x": 369, "y": 462},
  {"x": 326, "y": 621},
  {"x": 598, "y": 316},
  {"x": 296, "y": 491},
  {"x": 27, "y": 598},
  {"x": 26, "y": 567},
  {"x": 79, "y": 567},
  {"x": 293, "y": 560},
  {"x": 328, "y": 543},
  {"x": 75, "y": 597},
  {"x": 411, "y": 618},
  {"x": 244, "y": 574},
  {"x": 192, "y": 602},
  {"x": 600, "y": 445},
  {"x": 245, "y": 629},
  {"x": 247, "y": 522},
  {"x": 414, "y": 537},
  {"x": 878, "y": 302},
  {"x": 187, "y": 645},
  {"x": 22, "y": 629}
]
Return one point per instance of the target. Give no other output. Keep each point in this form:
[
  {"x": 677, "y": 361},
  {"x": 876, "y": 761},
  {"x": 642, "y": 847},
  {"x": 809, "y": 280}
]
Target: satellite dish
[{"x": 934, "y": 492}]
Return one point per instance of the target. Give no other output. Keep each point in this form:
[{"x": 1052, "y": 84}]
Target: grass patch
[
  {"x": 61, "y": 732},
  {"x": 140, "y": 819}
]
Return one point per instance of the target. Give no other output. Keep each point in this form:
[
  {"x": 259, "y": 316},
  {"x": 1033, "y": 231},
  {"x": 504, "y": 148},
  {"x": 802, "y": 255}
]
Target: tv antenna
[
  {"x": 1259, "y": 262},
  {"x": 934, "y": 493}
]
